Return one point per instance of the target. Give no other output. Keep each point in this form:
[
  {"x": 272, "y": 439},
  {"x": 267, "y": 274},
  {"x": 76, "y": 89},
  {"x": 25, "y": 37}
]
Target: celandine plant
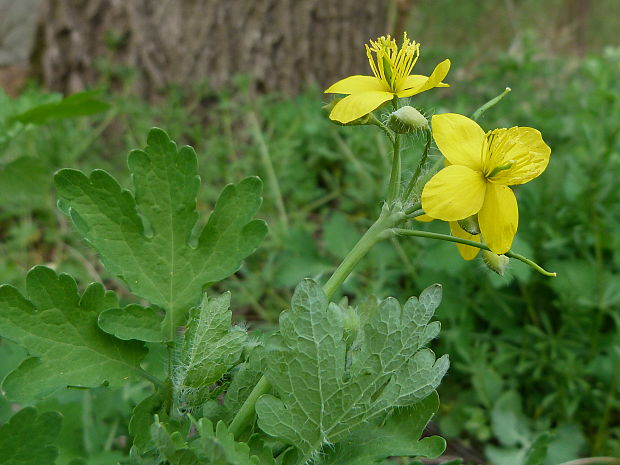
[{"x": 336, "y": 383}]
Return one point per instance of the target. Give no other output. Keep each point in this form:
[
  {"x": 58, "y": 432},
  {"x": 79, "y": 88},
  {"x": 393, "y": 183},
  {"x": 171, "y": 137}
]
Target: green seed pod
[{"x": 407, "y": 119}]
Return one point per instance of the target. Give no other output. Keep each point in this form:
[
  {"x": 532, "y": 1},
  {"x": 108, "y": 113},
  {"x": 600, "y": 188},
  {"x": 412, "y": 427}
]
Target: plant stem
[
  {"x": 418, "y": 171},
  {"x": 377, "y": 122},
  {"x": 446, "y": 237},
  {"x": 387, "y": 219},
  {"x": 159, "y": 384},
  {"x": 394, "y": 186},
  {"x": 413, "y": 208},
  {"x": 246, "y": 412}
]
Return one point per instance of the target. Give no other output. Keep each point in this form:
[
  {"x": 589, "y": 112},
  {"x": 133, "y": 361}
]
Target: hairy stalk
[
  {"x": 372, "y": 119},
  {"x": 446, "y": 237},
  {"x": 414, "y": 208},
  {"x": 418, "y": 171},
  {"x": 246, "y": 412},
  {"x": 386, "y": 220},
  {"x": 394, "y": 186}
]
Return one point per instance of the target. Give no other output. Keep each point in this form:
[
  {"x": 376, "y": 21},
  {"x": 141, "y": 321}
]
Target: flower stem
[
  {"x": 394, "y": 186},
  {"x": 418, "y": 171},
  {"x": 374, "y": 234},
  {"x": 159, "y": 384},
  {"x": 446, "y": 237},
  {"x": 377, "y": 122},
  {"x": 246, "y": 412}
]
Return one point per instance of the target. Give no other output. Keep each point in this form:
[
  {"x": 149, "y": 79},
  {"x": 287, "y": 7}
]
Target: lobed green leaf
[
  {"x": 398, "y": 436},
  {"x": 209, "y": 348},
  {"x": 325, "y": 387},
  {"x": 58, "y": 327},
  {"x": 144, "y": 237}
]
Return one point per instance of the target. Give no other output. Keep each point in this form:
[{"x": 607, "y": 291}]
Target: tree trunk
[{"x": 282, "y": 45}]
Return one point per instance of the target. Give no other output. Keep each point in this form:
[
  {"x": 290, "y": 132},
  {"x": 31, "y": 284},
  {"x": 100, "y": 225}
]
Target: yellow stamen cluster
[
  {"x": 497, "y": 146},
  {"x": 497, "y": 143},
  {"x": 390, "y": 64}
]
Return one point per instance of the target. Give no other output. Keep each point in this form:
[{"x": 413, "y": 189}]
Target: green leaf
[
  {"x": 80, "y": 104},
  {"x": 509, "y": 423},
  {"x": 146, "y": 239},
  {"x": 133, "y": 322},
  {"x": 59, "y": 329},
  {"x": 399, "y": 436},
  {"x": 218, "y": 447},
  {"x": 326, "y": 388},
  {"x": 28, "y": 438},
  {"x": 214, "y": 446},
  {"x": 244, "y": 378},
  {"x": 210, "y": 347},
  {"x": 142, "y": 418},
  {"x": 537, "y": 453}
]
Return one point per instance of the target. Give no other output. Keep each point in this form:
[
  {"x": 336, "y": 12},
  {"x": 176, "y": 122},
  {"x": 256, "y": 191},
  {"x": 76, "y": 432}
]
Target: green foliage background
[{"x": 529, "y": 354}]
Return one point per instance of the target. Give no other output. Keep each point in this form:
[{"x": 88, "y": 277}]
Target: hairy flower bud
[
  {"x": 496, "y": 263},
  {"x": 407, "y": 119},
  {"x": 470, "y": 225}
]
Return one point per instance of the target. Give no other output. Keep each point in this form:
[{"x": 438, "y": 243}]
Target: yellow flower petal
[
  {"x": 460, "y": 139},
  {"x": 357, "y": 84},
  {"x": 454, "y": 193},
  {"x": 499, "y": 218},
  {"x": 413, "y": 82},
  {"x": 467, "y": 251},
  {"x": 424, "y": 218},
  {"x": 528, "y": 153},
  {"x": 357, "y": 105},
  {"x": 414, "y": 85}
]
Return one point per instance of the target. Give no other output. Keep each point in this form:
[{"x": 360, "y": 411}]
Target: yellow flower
[
  {"x": 479, "y": 169},
  {"x": 391, "y": 67}
]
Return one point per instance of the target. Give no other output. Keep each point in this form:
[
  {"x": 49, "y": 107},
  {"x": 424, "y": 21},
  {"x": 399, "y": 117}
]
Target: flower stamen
[{"x": 390, "y": 64}]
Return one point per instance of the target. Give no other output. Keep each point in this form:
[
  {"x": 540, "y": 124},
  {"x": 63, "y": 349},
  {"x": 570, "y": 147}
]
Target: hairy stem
[
  {"x": 246, "y": 412},
  {"x": 418, "y": 171},
  {"x": 377, "y": 122},
  {"x": 394, "y": 186},
  {"x": 386, "y": 220}
]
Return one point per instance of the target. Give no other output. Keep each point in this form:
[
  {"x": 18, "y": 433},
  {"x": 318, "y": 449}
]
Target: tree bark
[{"x": 283, "y": 45}]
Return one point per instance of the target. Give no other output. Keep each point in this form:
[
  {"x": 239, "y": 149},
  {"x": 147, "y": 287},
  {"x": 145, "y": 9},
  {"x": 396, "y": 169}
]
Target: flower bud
[
  {"x": 496, "y": 263},
  {"x": 407, "y": 119},
  {"x": 470, "y": 225},
  {"x": 351, "y": 324}
]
